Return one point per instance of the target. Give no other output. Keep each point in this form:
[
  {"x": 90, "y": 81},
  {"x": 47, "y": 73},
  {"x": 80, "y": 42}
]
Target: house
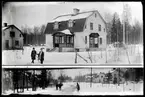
[
  {"x": 118, "y": 75},
  {"x": 80, "y": 30},
  {"x": 100, "y": 78},
  {"x": 12, "y": 37}
]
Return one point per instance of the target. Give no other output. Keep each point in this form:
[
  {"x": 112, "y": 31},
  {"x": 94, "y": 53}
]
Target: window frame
[
  {"x": 70, "y": 23},
  {"x": 12, "y": 35},
  {"x": 100, "y": 40},
  {"x": 91, "y": 26},
  {"x": 95, "y": 15},
  {"x": 16, "y": 42},
  {"x": 56, "y": 26},
  {"x": 86, "y": 39},
  {"x": 99, "y": 27}
]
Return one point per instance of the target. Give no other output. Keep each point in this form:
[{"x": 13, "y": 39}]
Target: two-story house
[
  {"x": 12, "y": 37},
  {"x": 80, "y": 30}
]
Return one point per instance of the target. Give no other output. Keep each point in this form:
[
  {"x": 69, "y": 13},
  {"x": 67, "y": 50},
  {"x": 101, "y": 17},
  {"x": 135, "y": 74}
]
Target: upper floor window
[
  {"x": 85, "y": 39},
  {"x": 20, "y": 35},
  {"x": 12, "y": 34},
  {"x": 95, "y": 15},
  {"x": 99, "y": 27},
  {"x": 70, "y": 23},
  {"x": 91, "y": 26},
  {"x": 56, "y": 25}
]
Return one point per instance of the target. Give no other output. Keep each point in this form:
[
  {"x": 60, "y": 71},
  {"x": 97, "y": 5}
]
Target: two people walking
[
  {"x": 58, "y": 85},
  {"x": 40, "y": 55}
]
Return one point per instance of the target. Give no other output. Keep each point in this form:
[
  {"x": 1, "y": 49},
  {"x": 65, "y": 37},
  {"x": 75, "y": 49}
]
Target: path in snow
[{"x": 96, "y": 89}]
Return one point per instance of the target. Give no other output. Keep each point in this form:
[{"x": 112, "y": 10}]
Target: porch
[{"x": 63, "y": 39}]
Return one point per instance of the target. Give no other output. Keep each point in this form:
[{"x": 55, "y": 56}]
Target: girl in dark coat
[{"x": 33, "y": 55}]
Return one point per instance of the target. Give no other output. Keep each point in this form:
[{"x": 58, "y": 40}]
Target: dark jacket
[
  {"x": 41, "y": 57},
  {"x": 33, "y": 54},
  {"x": 78, "y": 87}
]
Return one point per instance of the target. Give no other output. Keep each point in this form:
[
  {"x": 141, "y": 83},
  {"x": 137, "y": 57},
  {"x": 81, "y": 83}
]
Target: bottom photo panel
[{"x": 72, "y": 81}]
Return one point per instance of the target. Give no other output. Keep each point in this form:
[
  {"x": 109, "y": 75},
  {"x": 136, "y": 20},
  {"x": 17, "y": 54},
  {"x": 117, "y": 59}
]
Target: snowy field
[
  {"x": 85, "y": 89},
  {"x": 16, "y": 57}
]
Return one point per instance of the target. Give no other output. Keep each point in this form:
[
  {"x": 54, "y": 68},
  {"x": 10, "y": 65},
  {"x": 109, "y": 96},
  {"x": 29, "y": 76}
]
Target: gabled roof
[
  {"x": 77, "y": 27},
  {"x": 79, "y": 19},
  {"x": 4, "y": 28}
]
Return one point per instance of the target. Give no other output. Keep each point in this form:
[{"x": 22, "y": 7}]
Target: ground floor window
[
  {"x": 7, "y": 44},
  {"x": 94, "y": 40},
  {"x": 63, "y": 40},
  {"x": 100, "y": 40},
  {"x": 16, "y": 43}
]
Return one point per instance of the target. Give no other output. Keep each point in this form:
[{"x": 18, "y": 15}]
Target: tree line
[
  {"x": 115, "y": 27},
  {"x": 34, "y": 36}
]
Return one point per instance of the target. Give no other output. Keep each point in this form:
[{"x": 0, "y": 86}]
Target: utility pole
[
  {"x": 123, "y": 24},
  {"x": 91, "y": 78}
]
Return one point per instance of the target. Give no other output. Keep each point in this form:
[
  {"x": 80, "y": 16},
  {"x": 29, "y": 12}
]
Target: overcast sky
[{"x": 38, "y": 13}]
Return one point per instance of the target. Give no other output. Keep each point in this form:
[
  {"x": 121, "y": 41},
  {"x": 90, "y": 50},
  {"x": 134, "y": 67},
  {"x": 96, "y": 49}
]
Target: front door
[{"x": 7, "y": 44}]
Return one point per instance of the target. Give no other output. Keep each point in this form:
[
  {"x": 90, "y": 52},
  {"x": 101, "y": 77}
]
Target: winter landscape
[
  {"x": 102, "y": 81},
  {"x": 133, "y": 55},
  {"x": 102, "y": 44}
]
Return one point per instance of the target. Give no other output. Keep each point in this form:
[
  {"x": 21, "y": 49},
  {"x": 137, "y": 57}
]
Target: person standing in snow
[
  {"x": 78, "y": 87},
  {"x": 33, "y": 55},
  {"x": 115, "y": 80},
  {"x": 56, "y": 82},
  {"x": 41, "y": 56},
  {"x": 60, "y": 85}
]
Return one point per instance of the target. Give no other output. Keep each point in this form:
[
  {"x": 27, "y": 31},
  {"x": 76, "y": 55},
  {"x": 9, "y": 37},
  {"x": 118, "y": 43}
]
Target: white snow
[
  {"x": 72, "y": 17},
  {"x": 96, "y": 89},
  {"x": 16, "y": 57}
]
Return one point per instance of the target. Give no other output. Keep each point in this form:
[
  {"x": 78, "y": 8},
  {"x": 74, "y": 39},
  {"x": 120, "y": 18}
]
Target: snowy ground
[
  {"x": 16, "y": 57},
  {"x": 85, "y": 89}
]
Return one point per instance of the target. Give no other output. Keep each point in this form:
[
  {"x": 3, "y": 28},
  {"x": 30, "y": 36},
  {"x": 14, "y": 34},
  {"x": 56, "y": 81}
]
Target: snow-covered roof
[
  {"x": 4, "y": 28},
  {"x": 79, "y": 22},
  {"x": 66, "y": 32},
  {"x": 72, "y": 17}
]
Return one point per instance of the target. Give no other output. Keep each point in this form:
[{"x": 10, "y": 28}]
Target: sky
[{"x": 37, "y": 13}]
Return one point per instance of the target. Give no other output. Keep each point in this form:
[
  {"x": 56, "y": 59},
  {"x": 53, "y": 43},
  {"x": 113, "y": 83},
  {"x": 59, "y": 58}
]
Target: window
[
  {"x": 85, "y": 26},
  {"x": 16, "y": 43},
  {"x": 85, "y": 39},
  {"x": 99, "y": 27},
  {"x": 56, "y": 25},
  {"x": 70, "y": 23},
  {"x": 91, "y": 26},
  {"x": 72, "y": 41},
  {"x": 56, "y": 39},
  {"x": 95, "y": 15},
  {"x": 12, "y": 34},
  {"x": 100, "y": 40},
  {"x": 104, "y": 29},
  {"x": 7, "y": 44},
  {"x": 62, "y": 39},
  {"x": 20, "y": 35}
]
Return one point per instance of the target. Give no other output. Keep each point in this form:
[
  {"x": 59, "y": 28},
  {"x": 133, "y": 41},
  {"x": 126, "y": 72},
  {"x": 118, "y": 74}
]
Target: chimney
[
  {"x": 76, "y": 11},
  {"x": 5, "y": 24}
]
